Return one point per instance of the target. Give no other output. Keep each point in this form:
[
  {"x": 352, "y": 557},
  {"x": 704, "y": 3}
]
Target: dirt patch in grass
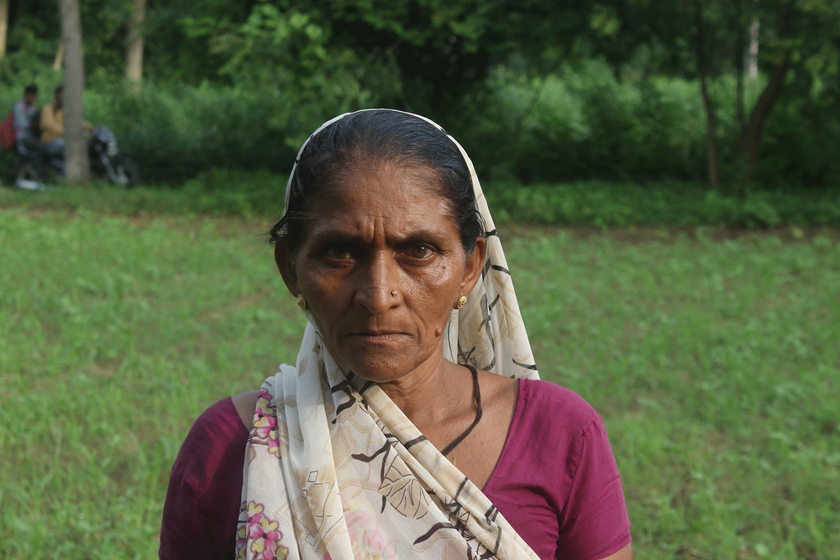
[{"x": 259, "y": 226}]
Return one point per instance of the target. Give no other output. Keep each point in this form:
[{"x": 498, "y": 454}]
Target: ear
[
  {"x": 281, "y": 257},
  {"x": 475, "y": 264}
]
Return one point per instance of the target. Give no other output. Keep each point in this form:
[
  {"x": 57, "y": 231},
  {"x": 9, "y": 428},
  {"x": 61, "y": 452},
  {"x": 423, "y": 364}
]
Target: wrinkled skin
[{"x": 378, "y": 232}]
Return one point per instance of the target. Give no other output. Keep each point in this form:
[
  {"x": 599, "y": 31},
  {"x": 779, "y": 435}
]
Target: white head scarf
[{"x": 334, "y": 470}]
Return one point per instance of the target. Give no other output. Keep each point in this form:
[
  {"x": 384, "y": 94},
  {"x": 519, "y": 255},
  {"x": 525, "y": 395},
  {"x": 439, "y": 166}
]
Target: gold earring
[
  {"x": 462, "y": 301},
  {"x": 301, "y": 301}
]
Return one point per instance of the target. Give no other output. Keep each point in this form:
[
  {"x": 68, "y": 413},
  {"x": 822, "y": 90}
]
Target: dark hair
[
  {"x": 371, "y": 139},
  {"x": 31, "y": 88},
  {"x": 59, "y": 89}
]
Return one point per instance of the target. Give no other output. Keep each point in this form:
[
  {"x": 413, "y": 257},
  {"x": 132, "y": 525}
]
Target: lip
[{"x": 376, "y": 337}]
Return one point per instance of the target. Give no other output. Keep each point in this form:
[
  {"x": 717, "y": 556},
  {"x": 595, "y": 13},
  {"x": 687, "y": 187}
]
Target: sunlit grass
[
  {"x": 714, "y": 362},
  {"x": 715, "y": 366}
]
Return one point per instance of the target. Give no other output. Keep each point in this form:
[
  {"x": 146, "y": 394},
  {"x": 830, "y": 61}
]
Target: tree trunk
[
  {"x": 59, "y": 56},
  {"x": 751, "y": 135},
  {"x": 134, "y": 52},
  {"x": 739, "y": 98},
  {"x": 740, "y": 60},
  {"x": 4, "y": 26},
  {"x": 75, "y": 146},
  {"x": 753, "y": 60},
  {"x": 711, "y": 118},
  {"x": 711, "y": 134}
]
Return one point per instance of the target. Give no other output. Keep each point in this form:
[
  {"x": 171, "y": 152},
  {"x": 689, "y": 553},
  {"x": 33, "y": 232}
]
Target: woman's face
[{"x": 378, "y": 233}]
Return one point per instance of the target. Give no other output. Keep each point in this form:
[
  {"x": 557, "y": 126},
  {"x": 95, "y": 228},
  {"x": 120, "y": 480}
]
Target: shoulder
[
  {"x": 592, "y": 518},
  {"x": 203, "y": 498},
  {"x": 556, "y": 426},
  {"x": 557, "y": 475},
  {"x": 549, "y": 434},
  {"x": 216, "y": 438},
  {"x": 245, "y": 404},
  {"x": 549, "y": 406},
  {"x": 217, "y": 420},
  {"x": 560, "y": 423}
]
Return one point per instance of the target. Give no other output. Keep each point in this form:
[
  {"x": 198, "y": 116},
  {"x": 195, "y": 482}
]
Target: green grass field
[{"x": 714, "y": 359}]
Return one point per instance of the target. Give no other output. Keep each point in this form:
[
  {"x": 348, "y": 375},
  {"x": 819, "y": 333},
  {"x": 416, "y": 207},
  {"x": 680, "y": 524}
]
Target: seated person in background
[
  {"x": 22, "y": 112},
  {"x": 52, "y": 126}
]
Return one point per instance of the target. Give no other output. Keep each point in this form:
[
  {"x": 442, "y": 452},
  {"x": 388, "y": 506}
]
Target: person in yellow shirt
[{"x": 52, "y": 125}]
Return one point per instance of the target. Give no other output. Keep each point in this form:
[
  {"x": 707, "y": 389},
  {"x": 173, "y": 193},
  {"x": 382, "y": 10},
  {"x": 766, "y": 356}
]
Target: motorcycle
[{"x": 105, "y": 163}]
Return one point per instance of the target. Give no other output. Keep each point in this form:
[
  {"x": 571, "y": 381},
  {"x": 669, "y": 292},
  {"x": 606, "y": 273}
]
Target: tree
[
  {"x": 426, "y": 56},
  {"x": 134, "y": 52},
  {"x": 75, "y": 151},
  {"x": 799, "y": 43},
  {"x": 4, "y": 25},
  {"x": 797, "y": 39},
  {"x": 708, "y": 103}
]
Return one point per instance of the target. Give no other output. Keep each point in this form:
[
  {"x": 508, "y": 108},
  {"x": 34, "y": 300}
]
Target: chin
[
  {"x": 380, "y": 369},
  {"x": 377, "y": 373}
]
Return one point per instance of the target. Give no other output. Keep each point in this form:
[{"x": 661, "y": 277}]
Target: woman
[{"x": 376, "y": 444}]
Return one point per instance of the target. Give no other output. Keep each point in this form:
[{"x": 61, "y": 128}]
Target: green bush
[
  {"x": 176, "y": 132},
  {"x": 585, "y": 123},
  {"x": 588, "y": 124},
  {"x": 582, "y": 124},
  {"x": 801, "y": 142}
]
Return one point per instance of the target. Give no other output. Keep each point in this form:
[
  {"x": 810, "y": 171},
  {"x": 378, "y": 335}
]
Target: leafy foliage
[{"x": 543, "y": 91}]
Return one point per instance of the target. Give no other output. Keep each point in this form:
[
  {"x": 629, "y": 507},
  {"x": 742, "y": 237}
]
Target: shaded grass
[
  {"x": 605, "y": 204},
  {"x": 221, "y": 192},
  {"x": 713, "y": 361}
]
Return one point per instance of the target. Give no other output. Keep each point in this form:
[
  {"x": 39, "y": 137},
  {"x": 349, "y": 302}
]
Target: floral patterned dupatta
[{"x": 335, "y": 470}]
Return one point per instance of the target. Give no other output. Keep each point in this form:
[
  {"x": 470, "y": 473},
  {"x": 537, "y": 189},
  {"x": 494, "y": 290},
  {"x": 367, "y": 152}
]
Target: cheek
[
  {"x": 435, "y": 291},
  {"x": 323, "y": 286}
]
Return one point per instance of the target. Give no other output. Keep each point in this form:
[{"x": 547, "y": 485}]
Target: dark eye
[
  {"x": 419, "y": 251},
  {"x": 339, "y": 252}
]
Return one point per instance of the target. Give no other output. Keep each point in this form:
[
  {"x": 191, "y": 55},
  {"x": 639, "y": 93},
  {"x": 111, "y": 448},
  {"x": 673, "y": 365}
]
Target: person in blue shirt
[{"x": 22, "y": 113}]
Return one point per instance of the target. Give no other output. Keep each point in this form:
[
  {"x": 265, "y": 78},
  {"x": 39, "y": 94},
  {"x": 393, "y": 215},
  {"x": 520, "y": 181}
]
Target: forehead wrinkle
[
  {"x": 383, "y": 199},
  {"x": 375, "y": 226},
  {"x": 395, "y": 221}
]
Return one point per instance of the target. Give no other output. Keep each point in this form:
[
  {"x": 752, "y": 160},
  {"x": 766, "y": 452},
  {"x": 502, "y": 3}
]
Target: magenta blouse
[{"x": 556, "y": 481}]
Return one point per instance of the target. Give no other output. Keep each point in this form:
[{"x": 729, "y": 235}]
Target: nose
[{"x": 377, "y": 280}]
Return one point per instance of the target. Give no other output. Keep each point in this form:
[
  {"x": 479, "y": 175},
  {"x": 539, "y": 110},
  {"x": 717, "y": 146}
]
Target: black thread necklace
[{"x": 449, "y": 448}]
